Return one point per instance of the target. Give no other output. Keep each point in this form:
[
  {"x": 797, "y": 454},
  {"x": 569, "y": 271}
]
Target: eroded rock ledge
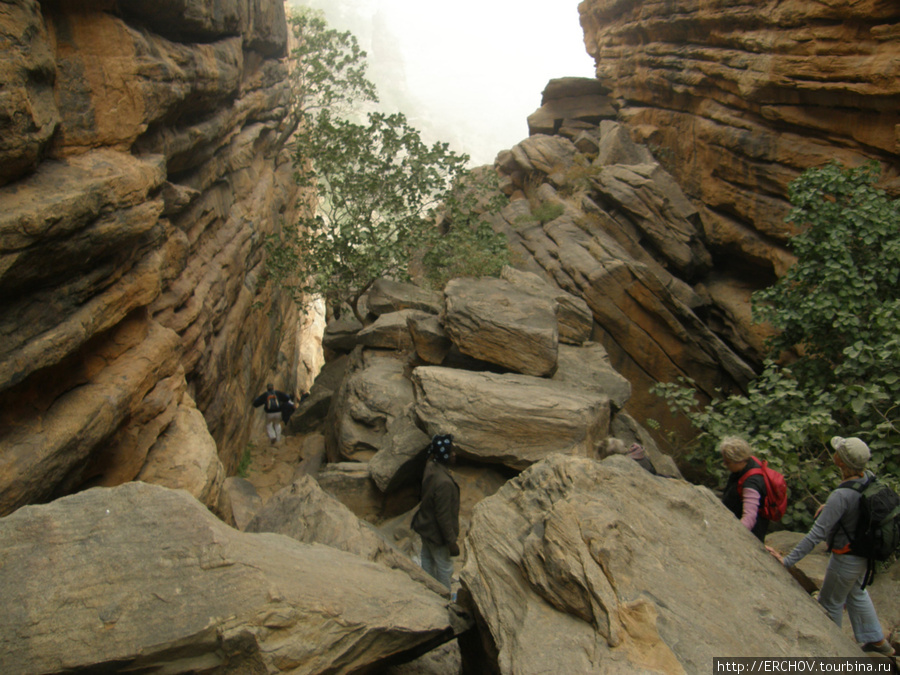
[{"x": 141, "y": 169}]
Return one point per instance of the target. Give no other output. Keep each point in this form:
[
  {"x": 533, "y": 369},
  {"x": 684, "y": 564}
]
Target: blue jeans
[
  {"x": 842, "y": 586},
  {"x": 437, "y": 562}
]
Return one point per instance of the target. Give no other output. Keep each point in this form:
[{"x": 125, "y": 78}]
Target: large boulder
[
  {"x": 305, "y": 512},
  {"x": 400, "y": 461},
  {"x": 375, "y": 400},
  {"x": 588, "y": 368},
  {"x": 387, "y": 296},
  {"x": 581, "y": 566},
  {"x": 570, "y": 99},
  {"x": 244, "y": 500},
  {"x": 391, "y": 330},
  {"x": 145, "y": 578},
  {"x": 660, "y": 210},
  {"x": 572, "y": 313},
  {"x": 312, "y": 410},
  {"x": 491, "y": 320},
  {"x": 648, "y": 320},
  {"x": 429, "y": 338},
  {"x": 550, "y": 155},
  {"x": 511, "y": 419},
  {"x": 184, "y": 457},
  {"x": 352, "y": 485}
]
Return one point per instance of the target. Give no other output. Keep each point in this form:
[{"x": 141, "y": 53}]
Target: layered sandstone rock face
[
  {"x": 737, "y": 97},
  {"x": 140, "y": 172}
]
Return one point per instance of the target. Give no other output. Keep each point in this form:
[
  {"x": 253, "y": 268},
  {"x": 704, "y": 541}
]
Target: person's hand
[
  {"x": 775, "y": 554},
  {"x": 454, "y": 549}
]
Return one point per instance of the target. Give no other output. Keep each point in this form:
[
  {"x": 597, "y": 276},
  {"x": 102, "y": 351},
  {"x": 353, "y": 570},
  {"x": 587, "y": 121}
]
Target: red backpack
[{"x": 775, "y": 503}]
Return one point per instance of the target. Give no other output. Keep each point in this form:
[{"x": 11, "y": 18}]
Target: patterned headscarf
[{"x": 440, "y": 448}]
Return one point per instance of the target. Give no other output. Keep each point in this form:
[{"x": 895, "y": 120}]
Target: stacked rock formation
[
  {"x": 140, "y": 173},
  {"x": 738, "y": 98}
]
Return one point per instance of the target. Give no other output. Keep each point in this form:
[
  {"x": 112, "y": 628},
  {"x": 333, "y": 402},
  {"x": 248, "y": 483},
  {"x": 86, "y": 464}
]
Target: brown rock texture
[
  {"x": 142, "y": 578},
  {"x": 737, "y": 97},
  {"x": 141, "y": 170},
  {"x": 579, "y": 566}
]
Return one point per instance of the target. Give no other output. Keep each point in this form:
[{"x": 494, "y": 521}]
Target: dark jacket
[
  {"x": 437, "y": 519},
  {"x": 281, "y": 397},
  {"x": 287, "y": 409},
  {"x": 733, "y": 499}
]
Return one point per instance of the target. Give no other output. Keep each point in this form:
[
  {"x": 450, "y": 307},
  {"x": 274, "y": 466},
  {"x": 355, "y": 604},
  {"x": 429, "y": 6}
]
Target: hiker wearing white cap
[{"x": 843, "y": 583}]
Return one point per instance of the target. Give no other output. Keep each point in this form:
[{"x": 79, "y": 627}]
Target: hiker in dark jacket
[
  {"x": 287, "y": 409},
  {"x": 835, "y": 521},
  {"x": 437, "y": 520},
  {"x": 271, "y": 401},
  {"x": 743, "y": 497}
]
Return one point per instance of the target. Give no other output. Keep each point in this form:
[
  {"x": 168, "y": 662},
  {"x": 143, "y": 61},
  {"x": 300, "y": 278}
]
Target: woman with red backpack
[{"x": 745, "y": 491}]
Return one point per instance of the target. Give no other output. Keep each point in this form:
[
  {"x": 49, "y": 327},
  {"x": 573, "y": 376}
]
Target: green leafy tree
[
  {"x": 466, "y": 244},
  {"x": 838, "y": 309},
  {"x": 327, "y": 70},
  {"x": 379, "y": 186}
]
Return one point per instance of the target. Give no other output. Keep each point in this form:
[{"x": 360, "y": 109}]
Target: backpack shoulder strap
[
  {"x": 855, "y": 484},
  {"x": 755, "y": 471}
]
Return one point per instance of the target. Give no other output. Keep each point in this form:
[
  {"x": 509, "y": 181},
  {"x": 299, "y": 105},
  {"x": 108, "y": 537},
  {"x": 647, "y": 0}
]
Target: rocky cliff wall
[
  {"x": 736, "y": 97},
  {"x": 140, "y": 172}
]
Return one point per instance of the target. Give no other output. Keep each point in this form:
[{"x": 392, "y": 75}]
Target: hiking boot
[{"x": 884, "y": 648}]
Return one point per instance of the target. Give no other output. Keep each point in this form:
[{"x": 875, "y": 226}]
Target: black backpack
[
  {"x": 272, "y": 404},
  {"x": 878, "y": 528}
]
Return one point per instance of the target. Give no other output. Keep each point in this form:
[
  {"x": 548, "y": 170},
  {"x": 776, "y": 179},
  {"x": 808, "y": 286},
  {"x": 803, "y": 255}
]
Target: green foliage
[
  {"x": 839, "y": 307},
  {"x": 328, "y": 67},
  {"x": 379, "y": 185},
  {"x": 243, "y": 467},
  {"x": 548, "y": 211},
  {"x": 542, "y": 213},
  {"x": 578, "y": 177},
  {"x": 470, "y": 247}
]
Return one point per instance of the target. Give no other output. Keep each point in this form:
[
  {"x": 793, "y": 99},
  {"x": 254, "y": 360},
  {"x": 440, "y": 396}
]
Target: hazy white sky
[{"x": 471, "y": 70}]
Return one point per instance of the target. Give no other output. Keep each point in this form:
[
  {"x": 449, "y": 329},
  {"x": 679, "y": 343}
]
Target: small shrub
[
  {"x": 243, "y": 467},
  {"x": 548, "y": 211}
]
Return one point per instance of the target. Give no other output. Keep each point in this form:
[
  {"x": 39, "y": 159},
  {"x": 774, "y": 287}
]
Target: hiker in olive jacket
[{"x": 437, "y": 520}]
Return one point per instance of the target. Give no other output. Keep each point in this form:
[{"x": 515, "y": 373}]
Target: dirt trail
[{"x": 272, "y": 466}]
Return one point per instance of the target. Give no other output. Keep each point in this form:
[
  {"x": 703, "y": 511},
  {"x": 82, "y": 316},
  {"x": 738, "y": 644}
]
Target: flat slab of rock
[
  {"x": 511, "y": 419},
  {"x": 491, "y": 320},
  {"x": 572, "y": 313},
  {"x": 390, "y": 331},
  {"x": 305, "y": 512},
  {"x": 588, "y": 368},
  {"x": 387, "y": 296},
  {"x": 144, "y": 577}
]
